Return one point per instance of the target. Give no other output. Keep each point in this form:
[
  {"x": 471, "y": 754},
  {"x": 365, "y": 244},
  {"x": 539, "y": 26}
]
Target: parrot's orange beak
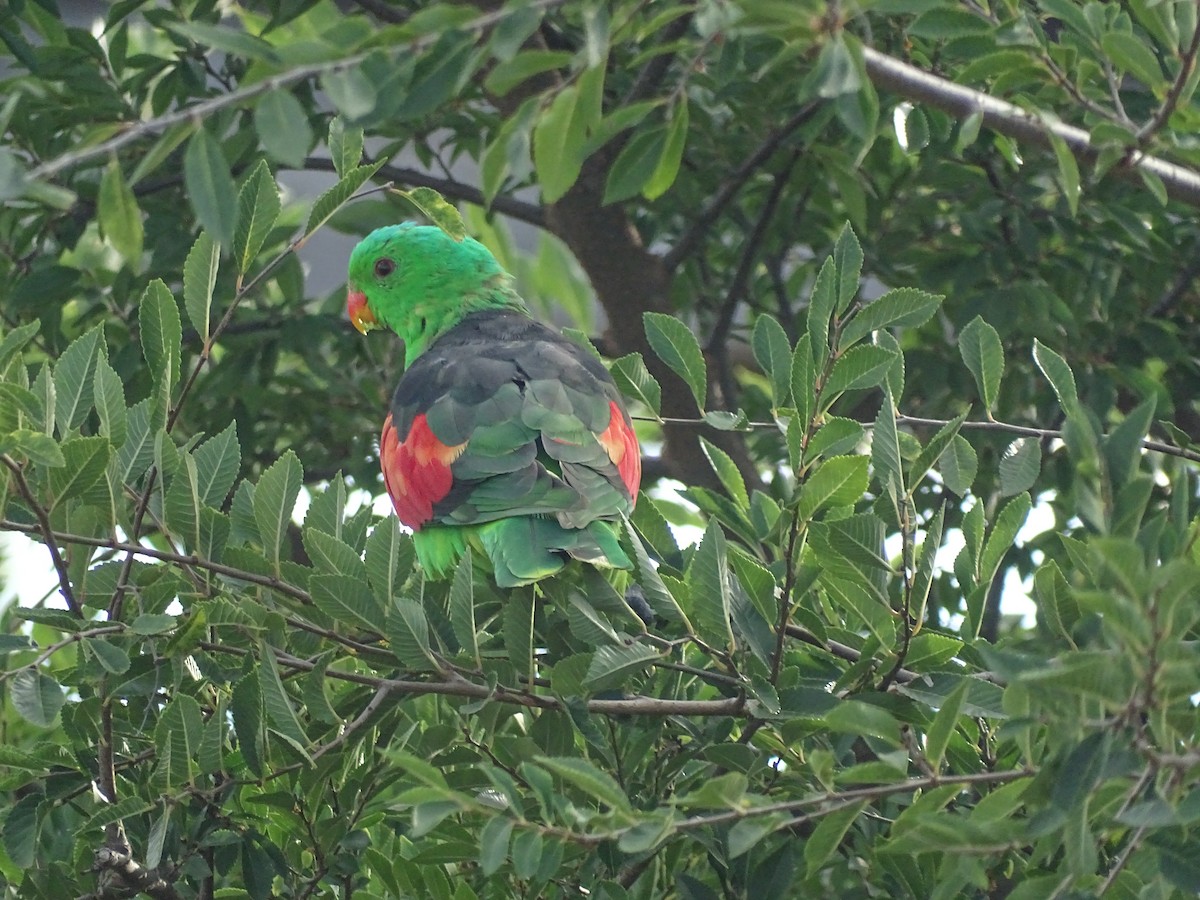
[{"x": 360, "y": 314}]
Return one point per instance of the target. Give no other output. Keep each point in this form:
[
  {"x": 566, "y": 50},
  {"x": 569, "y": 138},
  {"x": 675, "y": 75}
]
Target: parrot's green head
[{"x": 420, "y": 281}]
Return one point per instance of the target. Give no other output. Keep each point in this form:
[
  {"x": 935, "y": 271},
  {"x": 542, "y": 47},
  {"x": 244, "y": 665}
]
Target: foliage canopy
[{"x": 243, "y": 687}]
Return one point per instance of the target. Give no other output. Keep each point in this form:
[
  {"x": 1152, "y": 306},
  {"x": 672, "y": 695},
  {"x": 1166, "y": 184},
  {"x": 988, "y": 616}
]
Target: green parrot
[{"x": 503, "y": 435}]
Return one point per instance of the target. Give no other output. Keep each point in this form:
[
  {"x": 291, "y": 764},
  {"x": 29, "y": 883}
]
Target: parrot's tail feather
[
  {"x": 439, "y": 550},
  {"x": 527, "y": 549}
]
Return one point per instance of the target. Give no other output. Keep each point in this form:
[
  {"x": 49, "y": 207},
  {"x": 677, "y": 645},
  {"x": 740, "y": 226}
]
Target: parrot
[{"x": 503, "y": 435}]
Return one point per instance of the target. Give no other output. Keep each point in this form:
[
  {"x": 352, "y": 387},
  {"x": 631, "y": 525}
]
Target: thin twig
[
  {"x": 381, "y": 694},
  {"x": 46, "y": 530},
  {"x": 1187, "y": 64}
]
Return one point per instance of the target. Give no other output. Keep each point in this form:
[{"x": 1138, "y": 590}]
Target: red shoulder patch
[
  {"x": 621, "y": 444},
  {"x": 416, "y": 470}
]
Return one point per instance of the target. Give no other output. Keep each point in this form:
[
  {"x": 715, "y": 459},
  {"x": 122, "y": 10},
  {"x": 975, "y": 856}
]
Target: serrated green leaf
[
  {"x": 111, "y": 657},
  {"x": 282, "y": 127},
  {"x": 334, "y": 198},
  {"x": 774, "y": 353},
  {"x": 258, "y": 208},
  {"x": 611, "y": 664},
  {"x": 16, "y": 338},
  {"x": 118, "y": 214},
  {"x": 593, "y": 781},
  {"x": 246, "y": 710},
  {"x": 558, "y": 142},
  {"x": 161, "y": 334},
  {"x": 199, "y": 281},
  {"x": 1004, "y": 532},
  {"x": 1020, "y": 465},
  {"x": 274, "y": 500},
  {"x": 981, "y": 350},
  {"x": 666, "y": 167},
  {"x": 217, "y": 462},
  {"x": 37, "y": 697},
  {"x": 885, "y": 451},
  {"x": 277, "y": 703},
  {"x": 1068, "y": 171},
  {"x": 859, "y": 368},
  {"x": 408, "y": 634},
  {"x": 898, "y": 308},
  {"x": 839, "y": 481},
  {"x": 827, "y": 836},
  {"x": 346, "y": 599},
  {"x": 85, "y": 459},
  {"x": 438, "y": 210},
  {"x": 39, "y": 448},
  {"x": 674, "y": 343},
  {"x": 635, "y": 381},
  {"x": 345, "y": 146},
  {"x": 210, "y": 186},
  {"x": 389, "y": 559},
  {"x": 462, "y": 607},
  {"x": 333, "y": 556},
  {"x": 958, "y": 465},
  {"x": 22, "y": 826},
  {"x": 1059, "y": 374},
  {"x": 177, "y": 738},
  {"x": 848, "y": 261},
  {"x": 493, "y": 844},
  {"x": 936, "y": 446},
  {"x": 727, "y": 472},
  {"x": 1133, "y": 56},
  {"x": 74, "y": 379},
  {"x": 109, "y": 395},
  {"x": 710, "y": 589},
  {"x": 937, "y": 738}
]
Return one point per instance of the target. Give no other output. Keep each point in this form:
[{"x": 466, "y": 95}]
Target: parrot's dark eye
[{"x": 384, "y": 267}]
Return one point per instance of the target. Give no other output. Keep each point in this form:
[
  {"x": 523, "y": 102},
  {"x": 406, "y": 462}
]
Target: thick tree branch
[
  {"x": 1181, "y": 183},
  {"x": 134, "y": 874}
]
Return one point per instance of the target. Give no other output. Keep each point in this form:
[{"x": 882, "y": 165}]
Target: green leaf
[
  {"x": 934, "y": 449},
  {"x": 1004, "y": 532},
  {"x": 774, "y": 353},
  {"x": 345, "y": 145},
  {"x": 346, "y": 600},
  {"x": 334, "y": 198},
  {"x": 612, "y": 664},
  {"x": 353, "y": 93},
  {"x": 161, "y": 334},
  {"x": 282, "y": 127},
  {"x": 632, "y": 169},
  {"x": 230, "y": 40},
  {"x": 111, "y": 657},
  {"x": 958, "y": 465},
  {"x": 493, "y": 844},
  {"x": 926, "y": 559},
  {"x": 674, "y": 343},
  {"x": 635, "y": 381},
  {"x": 119, "y": 216},
  {"x": 981, "y": 350},
  {"x": 885, "y": 451},
  {"x": 1020, "y": 465},
  {"x": 85, "y": 459},
  {"x": 177, "y": 740},
  {"x": 16, "y": 338},
  {"x": 710, "y": 589},
  {"x": 389, "y": 559},
  {"x": 22, "y": 826},
  {"x": 727, "y": 472},
  {"x": 827, "y": 836},
  {"x": 667, "y": 167},
  {"x": 274, "y": 500},
  {"x": 246, "y": 709},
  {"x": 217, "y": 462},
  {"x": 258, "y": 208},
  {"x": 1059, "y": 374},
  {"x": 277, "y": 703},
  {"x": 39, "y": 448},
  {"x": 558, "y": 141},
  {"x": 408, "y": 634},
  {"x": 74, "y": 379},
  {"x": 1068, "y": 171},
  {"x": 333, "y": 555},
  {"x": 937, "y": 738},
  {"x": 859, "y": 368},
  {"x": 839, "y": 481},
  {"x": 508, "y": 74},
  {"x": 462, "y": 606},
  {"x": 847, "y": 261},
  {"x": 592, "y": 781},
  {"x": 109, "y": 394},
  {"x": 1132, "y": 56},
  {"x": 438, "y": 210},
  {"x": 199, "y": 282},
  {"x": 210, "y": 186},
  {"x": 36, "y": 696},
  {"x": 835, "y": 72},
  {"x": 899, "y": 308}
]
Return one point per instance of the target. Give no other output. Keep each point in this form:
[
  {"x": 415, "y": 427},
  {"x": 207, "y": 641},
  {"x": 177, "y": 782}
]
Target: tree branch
[
  {"x": 134, "y": 874},
  {"x": 687, "y": 243},
  {"x": 46, "y": 530},
  {"x": 1187, "y": 64},
  {"x": 1181, "y": 183}
]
